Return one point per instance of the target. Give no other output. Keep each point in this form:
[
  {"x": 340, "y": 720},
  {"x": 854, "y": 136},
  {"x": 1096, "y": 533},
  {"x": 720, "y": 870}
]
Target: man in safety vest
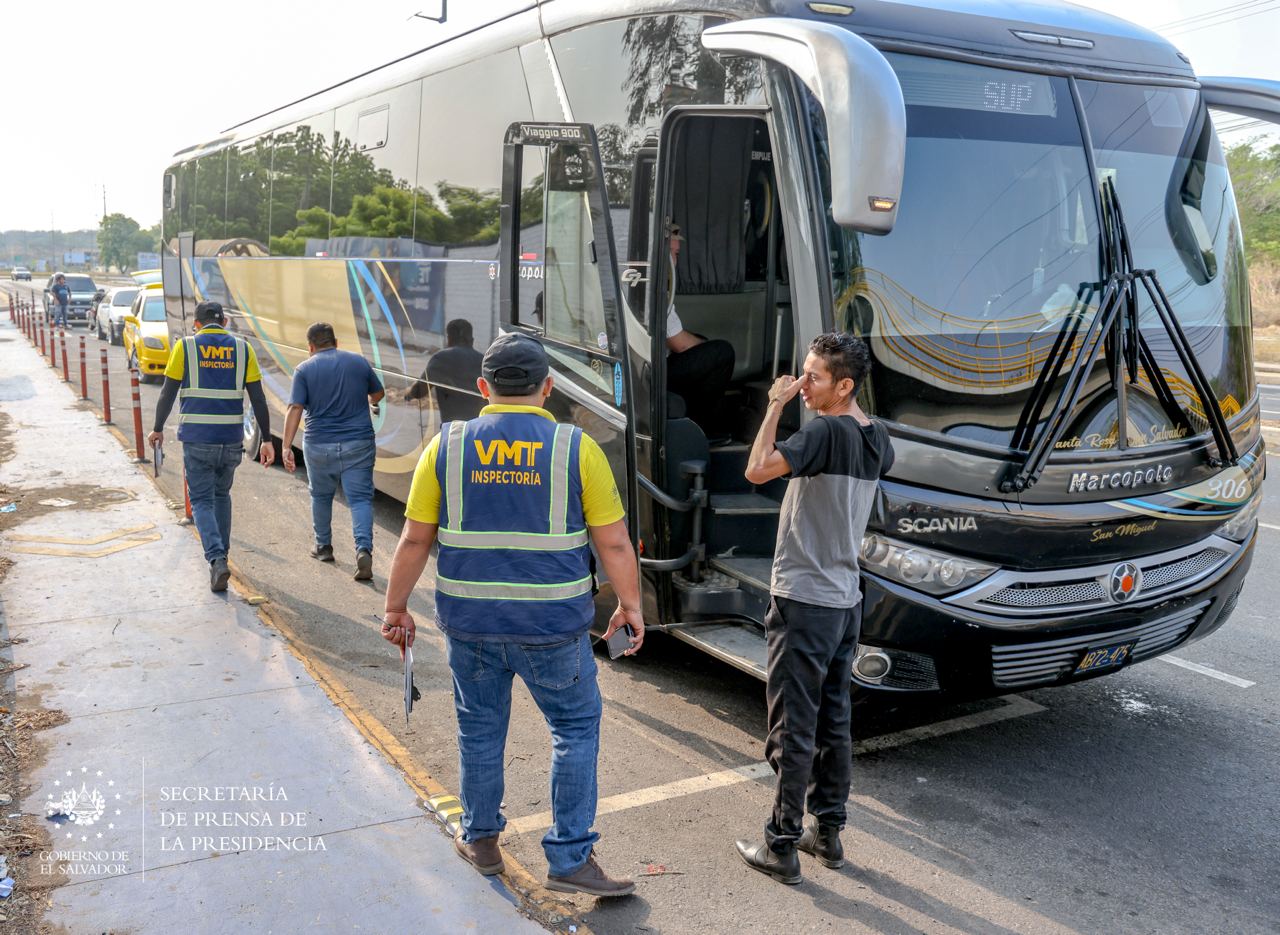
[
  {"x": 516, "y": 501},
  {"x": 211, "y": 425}
]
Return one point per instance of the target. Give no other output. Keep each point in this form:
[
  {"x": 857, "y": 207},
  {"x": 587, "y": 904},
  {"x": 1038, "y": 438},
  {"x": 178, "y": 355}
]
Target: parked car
[
  {"x": 146, "y": 334},
  {"x": 108, "y": 315},
  {"x": 83, "y": 294},
  {"x": 20, "y": 272}
]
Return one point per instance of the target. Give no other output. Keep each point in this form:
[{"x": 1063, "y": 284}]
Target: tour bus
[{"x": 1022, "y": 208}]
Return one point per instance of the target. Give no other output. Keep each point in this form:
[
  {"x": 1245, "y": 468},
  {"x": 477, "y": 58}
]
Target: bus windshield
[{"x": 995, "y": 243}]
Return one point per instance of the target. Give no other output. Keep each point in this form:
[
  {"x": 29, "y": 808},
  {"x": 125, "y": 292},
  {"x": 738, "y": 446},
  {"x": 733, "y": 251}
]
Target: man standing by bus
[
  {"x": 335, "y": 388},
  {"x": 210, "y": 372},
  {"x": 516, "y": 501},
  {"x": 835, "y": 463}
]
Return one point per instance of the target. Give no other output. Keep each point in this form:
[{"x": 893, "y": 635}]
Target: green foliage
[
  {"x": 1255, "y": 176},
  {"x": 120, "y": 239}
]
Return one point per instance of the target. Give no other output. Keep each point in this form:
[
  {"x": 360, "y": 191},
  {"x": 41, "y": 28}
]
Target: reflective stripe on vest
[
  {"x": 510, "y": 591},
  {"x": 558, "y": 538}
]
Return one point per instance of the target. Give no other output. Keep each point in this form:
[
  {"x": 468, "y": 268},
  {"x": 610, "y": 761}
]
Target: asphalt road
[{"x": 1142, "y": 802}]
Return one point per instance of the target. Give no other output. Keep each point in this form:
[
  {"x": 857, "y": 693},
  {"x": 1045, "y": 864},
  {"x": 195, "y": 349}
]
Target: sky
[{"x": 113, "y": 90}]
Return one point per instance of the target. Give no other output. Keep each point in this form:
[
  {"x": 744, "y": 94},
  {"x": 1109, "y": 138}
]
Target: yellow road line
[
  {"x": 80, "y": 553},
  {"x": 96, "y": 540}
]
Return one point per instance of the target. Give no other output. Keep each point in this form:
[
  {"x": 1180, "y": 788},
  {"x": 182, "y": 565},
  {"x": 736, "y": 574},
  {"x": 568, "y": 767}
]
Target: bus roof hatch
[{"x": 862, "y": 101}]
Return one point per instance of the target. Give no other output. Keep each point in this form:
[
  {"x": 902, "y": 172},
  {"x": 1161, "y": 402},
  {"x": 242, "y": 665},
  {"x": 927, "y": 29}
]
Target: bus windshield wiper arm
[{"x": 1118, "y": 312}]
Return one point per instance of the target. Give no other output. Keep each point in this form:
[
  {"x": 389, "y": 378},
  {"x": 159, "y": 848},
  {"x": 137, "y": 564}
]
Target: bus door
[{"x": 559, "y": 283}]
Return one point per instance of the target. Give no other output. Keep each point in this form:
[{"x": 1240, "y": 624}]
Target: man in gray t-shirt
[{"x": 835, "y": 463}]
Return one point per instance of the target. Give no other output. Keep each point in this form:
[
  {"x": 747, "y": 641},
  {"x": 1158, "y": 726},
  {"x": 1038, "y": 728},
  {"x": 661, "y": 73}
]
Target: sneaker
[
  {"x": 823, "y": 842},
  {"x": 364, "y": 565},
  {"x": 483, "y": 854},
  {"x": 322, "y": 552},
  {"x": 219, "y": 574},
  {"x": 591, "y": 879},
  {"x": 785, "y": 868}
]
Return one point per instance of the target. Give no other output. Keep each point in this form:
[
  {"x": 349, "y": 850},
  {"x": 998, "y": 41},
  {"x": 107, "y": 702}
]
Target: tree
[
  {"x": 118, "y": 239},
  {"x": 1255, "y": 176}
]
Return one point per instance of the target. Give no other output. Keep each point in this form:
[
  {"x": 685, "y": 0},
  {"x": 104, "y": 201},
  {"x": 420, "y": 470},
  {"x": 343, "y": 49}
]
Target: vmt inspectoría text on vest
[
  {"x": 216, "y": 356},
  {"x": 520, "y": 454}
]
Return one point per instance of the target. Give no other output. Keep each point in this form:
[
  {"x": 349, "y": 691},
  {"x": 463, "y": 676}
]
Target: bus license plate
[{"x": 1106, "y": 657}]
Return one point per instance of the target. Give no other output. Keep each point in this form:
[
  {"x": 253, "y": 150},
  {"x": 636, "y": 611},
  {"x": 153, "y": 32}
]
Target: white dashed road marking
[
  {"x": 1014, "y": 706},
  {"x": 1269, "y": 526},
  {"x": 1212, "y": 673}
]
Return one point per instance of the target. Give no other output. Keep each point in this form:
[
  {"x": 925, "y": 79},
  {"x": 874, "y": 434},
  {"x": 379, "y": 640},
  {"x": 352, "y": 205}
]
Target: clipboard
[{"x": 157, "y": 456}]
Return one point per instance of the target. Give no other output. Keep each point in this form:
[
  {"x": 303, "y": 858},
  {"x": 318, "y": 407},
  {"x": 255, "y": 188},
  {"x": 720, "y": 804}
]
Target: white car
[{"x": 109, "y": 316}]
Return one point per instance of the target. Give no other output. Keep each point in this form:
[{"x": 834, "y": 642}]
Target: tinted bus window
[
  {"x": 996, "y": 232},
  {"x": 210, "y": 208},
  {"x": 249, "y": 193},
  {"x": 1158, "y": 147},
  {"x": 300, "y": 182}
]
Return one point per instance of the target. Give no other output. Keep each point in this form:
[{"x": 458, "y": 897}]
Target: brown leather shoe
[
  {"x": 591, "y": 879},
  {"x": 483, "y": 854}
]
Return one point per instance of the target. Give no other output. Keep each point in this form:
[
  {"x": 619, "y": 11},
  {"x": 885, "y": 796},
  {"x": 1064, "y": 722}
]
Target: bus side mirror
[{"x": 860, "y": 97}]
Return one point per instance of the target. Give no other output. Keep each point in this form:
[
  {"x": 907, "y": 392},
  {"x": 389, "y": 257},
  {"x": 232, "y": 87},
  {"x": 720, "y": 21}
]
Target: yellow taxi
[
  {"x": 146, "y": 277},
  {"x": 146, "y": 334}
]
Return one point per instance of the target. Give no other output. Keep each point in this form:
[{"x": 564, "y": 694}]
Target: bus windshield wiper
[{"x": 1117, "y": 318}]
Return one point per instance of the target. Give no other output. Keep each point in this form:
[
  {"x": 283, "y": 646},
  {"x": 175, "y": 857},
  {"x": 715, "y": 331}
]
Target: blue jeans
[
  {"x": 59, "y": 315},
  {"x": 561, "y": 677},
  {"x": 350, "y": 463},
  {"x": 210, "y": 470}
]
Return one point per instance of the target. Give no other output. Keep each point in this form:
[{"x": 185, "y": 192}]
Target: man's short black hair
[
  {"x": 844, "y": 355},
  {"x": 207, "y": 312},
  {"x": 458, "y": 332},
  {"x": 321, "y": 335}
]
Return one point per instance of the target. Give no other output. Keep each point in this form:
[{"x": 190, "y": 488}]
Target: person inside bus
[{"x": 698, "y": 369}]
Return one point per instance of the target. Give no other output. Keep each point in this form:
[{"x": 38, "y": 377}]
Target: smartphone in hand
[{"x": 620, "y": 640}]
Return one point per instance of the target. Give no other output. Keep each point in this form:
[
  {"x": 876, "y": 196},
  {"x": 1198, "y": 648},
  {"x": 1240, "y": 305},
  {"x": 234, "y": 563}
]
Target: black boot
[
  {"x": 822, "y": 841},
  {"x": 785, "y": 868}
]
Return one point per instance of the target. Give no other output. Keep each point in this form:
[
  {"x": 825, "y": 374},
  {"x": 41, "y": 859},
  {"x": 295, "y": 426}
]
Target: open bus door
[{"x": 559, "y": 284}]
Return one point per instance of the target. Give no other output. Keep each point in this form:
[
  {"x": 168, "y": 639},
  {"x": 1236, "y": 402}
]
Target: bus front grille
[
  {"x": 1018, "y": 593},
  {"x": 1019, "y": 665}
]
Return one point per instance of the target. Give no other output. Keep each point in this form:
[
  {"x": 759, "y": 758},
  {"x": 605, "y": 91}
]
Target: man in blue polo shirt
[{"x": 336, "y": 388}]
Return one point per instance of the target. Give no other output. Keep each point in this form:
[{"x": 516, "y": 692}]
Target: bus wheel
[{"x": 252, "y": 433}]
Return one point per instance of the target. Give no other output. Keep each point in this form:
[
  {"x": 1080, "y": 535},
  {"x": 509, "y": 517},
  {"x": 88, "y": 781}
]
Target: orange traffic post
[
  {"x": 137, "y": 416},
  {"x": 66, "y": 370},
  {"x": 84, "y": 372},
  {"x": 53, "y": 344},
  {"x": 42, "y": 329},
  {"x": 106, "y": 389}
]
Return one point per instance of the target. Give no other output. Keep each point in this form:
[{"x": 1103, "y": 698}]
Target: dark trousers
[
  {"x": 700, "y": 376},
  {"x": 810, "y": 747}
]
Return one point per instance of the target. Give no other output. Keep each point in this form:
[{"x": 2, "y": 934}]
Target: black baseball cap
[
  {"x": 208, "y": 311},
  {"x": 514, "y": 362}
]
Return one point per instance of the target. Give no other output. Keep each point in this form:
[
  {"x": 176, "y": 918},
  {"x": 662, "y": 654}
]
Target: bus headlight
[
  {"x": 925, "y": 569},
  {"x": 1240, "y": 527}
]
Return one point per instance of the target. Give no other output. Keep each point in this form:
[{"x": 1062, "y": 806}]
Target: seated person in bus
[
  {"x": 452, "y": 371},
  {"x": 698, "y": 370}
]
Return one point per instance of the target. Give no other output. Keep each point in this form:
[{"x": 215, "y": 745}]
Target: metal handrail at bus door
[{"x": 695, "y": 503}]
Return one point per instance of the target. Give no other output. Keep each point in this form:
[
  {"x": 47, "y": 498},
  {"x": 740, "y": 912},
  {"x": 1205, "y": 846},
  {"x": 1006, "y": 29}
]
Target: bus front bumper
[{"x": 933, "y": 646}]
